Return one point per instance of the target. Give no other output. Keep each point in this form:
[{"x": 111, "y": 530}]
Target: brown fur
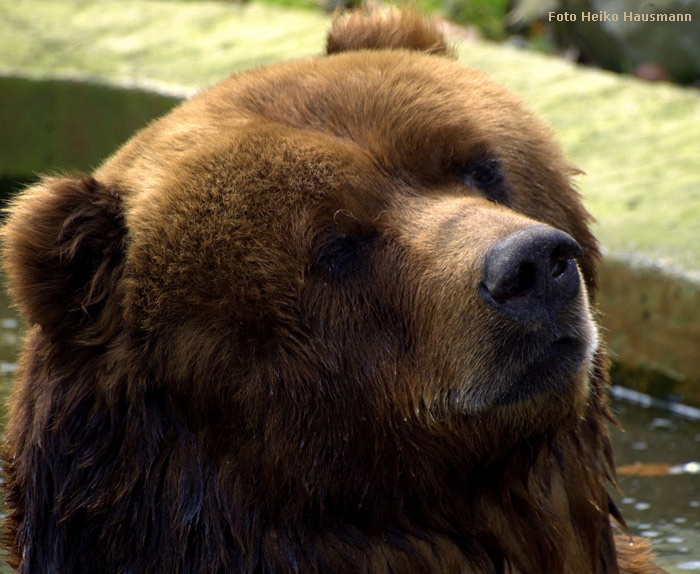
[
  {"x": 371, "y": 29},
  {"x": 258, "y": 343}
]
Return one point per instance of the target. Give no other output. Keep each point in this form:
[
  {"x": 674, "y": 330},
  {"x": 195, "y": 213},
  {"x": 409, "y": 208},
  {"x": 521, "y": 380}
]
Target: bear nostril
[
  {"x": 558, "y": 267},
  {"x": 561, "y": 259},
  {"x": 531, "y": 271},
  {"x": 513, "y": 286}
]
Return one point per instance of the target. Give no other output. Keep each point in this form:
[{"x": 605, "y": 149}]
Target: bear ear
[
  {"x": 375, "y": 28},
  {"x": 63, "y": 249}
]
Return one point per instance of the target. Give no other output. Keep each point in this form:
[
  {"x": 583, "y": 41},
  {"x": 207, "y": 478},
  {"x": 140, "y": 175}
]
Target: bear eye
[
  {"x": 343, "y": 256},
  {"x": 486, "y": 174}
]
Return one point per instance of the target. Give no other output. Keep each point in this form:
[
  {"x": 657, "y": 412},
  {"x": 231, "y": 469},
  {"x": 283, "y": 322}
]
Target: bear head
[{"x": 344, "y": 278}]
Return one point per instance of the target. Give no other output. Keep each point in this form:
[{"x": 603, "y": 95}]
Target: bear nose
[{"x": 531, "y": 272}]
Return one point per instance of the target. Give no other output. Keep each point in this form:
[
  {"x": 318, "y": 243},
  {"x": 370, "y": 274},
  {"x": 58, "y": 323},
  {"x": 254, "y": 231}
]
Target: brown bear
[{"x": 332, "y": 316}]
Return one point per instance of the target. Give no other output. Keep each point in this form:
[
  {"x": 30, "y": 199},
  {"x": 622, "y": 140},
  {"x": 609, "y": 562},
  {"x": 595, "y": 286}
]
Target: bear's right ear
[
  {"x": 385, "y": 28},
  {"x": 63, "y": 248}
]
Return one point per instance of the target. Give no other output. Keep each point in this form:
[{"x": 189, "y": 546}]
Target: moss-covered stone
[
  {"x": 651, "y": 324},
  {"x": 175, "y": 43},
  {"x": 66, "y": 125}
]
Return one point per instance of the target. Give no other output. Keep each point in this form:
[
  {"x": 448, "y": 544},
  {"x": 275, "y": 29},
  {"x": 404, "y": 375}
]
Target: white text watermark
[{"x": 605, "y": 16}]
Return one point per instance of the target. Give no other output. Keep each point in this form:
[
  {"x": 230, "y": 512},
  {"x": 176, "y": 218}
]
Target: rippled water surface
[
  {"x": 662, "y": 505},
  {"x": 665, "y": 504}
]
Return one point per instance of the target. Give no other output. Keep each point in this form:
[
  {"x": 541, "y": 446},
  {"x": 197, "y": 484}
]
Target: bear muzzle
[{"x": 531, "y": 279}]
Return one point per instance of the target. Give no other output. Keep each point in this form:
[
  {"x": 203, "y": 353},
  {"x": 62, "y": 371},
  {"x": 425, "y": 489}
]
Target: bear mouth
[{"x": 554, "y": 370}]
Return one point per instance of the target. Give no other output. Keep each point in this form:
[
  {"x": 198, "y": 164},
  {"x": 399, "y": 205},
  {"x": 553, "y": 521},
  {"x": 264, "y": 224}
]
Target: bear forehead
[
  {"x": 399, "y": 106},
  {"x": 349, "y": 94},
  {"x": 403, "y": 114},
  {"x": 392, "y": 103}
]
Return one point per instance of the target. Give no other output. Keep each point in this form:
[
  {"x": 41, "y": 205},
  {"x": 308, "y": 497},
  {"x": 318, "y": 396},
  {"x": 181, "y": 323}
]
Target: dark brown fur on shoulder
[{"x": 329, "y": 316}]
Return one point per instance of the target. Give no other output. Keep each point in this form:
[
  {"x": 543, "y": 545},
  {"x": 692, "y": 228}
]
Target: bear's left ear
[
  {"x": 385, "y": 28},
  {"x": 63, "y": 250}
]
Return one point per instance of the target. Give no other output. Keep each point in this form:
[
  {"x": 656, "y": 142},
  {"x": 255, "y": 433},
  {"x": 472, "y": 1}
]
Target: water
[
  {"x": 663, "y": 507},
  {"x": 10, "y": 339}
]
